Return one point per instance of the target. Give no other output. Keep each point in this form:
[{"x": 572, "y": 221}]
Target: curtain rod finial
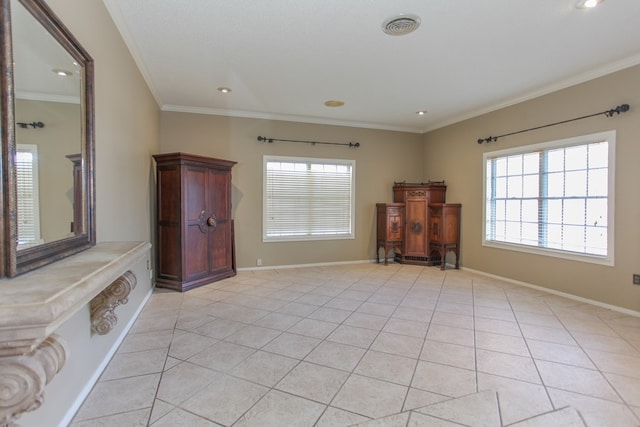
[
  {"x": 618, "y": 110},
  {"x": 488, "y": 139}
]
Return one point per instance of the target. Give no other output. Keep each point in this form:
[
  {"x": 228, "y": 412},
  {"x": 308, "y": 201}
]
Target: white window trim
[
  {"x": 610, "y": 137},
  {"x": 271, "y": 239},
  {"x": 33, "y": 149}
]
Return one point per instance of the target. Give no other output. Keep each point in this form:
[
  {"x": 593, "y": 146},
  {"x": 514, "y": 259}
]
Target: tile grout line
[
  {"x": 155, "y": 398},
  {"x": 426, "y": 334},
  {"x": 602, "y": 375},
  {"x": 546, "y": 390},
  {"x": 299, "y": 362},
  {"x": 475, "y": 342},
  {"x": 351, "y": 373}
]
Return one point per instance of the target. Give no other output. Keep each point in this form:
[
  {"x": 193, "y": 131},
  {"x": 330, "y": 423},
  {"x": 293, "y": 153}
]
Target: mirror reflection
[{"x": 48, "y": 134}]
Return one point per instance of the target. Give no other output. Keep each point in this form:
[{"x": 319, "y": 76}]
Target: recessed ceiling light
[
  {"x": 224, "y": 89},
  {"x": 588, "y": 4},
  {"x": 421, "y": 112},
  {"x": 401, "y": 24},
  {"x": 334, "y": 103},
  {"x": 63, "y": 73}
]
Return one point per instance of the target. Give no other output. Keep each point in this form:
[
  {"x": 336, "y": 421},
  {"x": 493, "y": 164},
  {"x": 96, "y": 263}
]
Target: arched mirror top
[{"x": 47, "y": 135}]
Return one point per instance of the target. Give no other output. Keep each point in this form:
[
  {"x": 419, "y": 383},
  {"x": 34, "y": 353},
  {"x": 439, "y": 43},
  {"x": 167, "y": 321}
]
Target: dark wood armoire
[{"x": 195, "y": 242}]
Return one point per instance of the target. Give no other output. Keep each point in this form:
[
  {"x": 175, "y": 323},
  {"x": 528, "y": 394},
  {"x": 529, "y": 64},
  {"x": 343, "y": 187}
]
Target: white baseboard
[
  {"x": 105, "y": 361},
  {"x": 558, "y": 293},
  {"x": 318, "y": 264},
  {"x": 451, "y": 266}
]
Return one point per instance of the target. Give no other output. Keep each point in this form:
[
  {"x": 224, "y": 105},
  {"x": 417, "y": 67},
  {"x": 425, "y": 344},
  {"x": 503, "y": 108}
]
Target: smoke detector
[{"x": 401, "y": 24}]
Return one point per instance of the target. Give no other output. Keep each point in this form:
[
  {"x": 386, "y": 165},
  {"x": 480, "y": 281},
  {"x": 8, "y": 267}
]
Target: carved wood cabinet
[
  {"x": 444, "y": 231},
  {"x": 390, "y": 220},
  {"x": 195, "y": 242},
  {"x": 416, "y": 248},
  {"x": 77, "y": 226}
]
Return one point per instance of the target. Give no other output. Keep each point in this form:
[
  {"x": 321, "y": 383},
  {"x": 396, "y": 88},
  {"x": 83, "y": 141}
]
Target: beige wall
[
  {"x": 59, "y": 137},
  {"x": 382, "y": 158},
  {"x": 127, "y": 125},
  {"x": 452, "y": 153},
  {"x": 127, "y": 133}
]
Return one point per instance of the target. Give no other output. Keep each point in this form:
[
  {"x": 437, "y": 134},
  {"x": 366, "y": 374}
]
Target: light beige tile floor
[{"x": 372, "y": 345}]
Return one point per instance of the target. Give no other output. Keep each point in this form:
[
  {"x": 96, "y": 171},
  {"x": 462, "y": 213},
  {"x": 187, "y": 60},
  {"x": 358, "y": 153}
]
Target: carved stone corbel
[
  {"x": 103, "y": 317},
  {"x": 35, "y": 304},
  {"x": 23, "y": 377}
]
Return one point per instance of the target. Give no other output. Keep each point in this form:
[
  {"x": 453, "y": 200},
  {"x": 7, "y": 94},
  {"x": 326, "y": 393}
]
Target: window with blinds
[
  {"x": 27, "y": 190},
  {"x": 308, "y": 199},
  {"x": 554, "y": 198}
]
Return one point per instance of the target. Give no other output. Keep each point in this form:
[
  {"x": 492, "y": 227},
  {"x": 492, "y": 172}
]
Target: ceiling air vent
[{"x": 401, "y": 25}]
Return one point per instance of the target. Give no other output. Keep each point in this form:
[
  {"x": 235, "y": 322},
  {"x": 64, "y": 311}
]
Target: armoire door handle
[{"x": 211, "y": 221}]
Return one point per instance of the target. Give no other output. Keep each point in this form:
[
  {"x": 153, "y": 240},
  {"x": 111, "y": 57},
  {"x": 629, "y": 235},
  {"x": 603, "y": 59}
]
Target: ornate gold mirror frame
[{"x": 81, "y": 234}]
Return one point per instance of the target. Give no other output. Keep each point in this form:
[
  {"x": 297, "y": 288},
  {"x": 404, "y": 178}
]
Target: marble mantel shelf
[{"x": 35, "y": 304}]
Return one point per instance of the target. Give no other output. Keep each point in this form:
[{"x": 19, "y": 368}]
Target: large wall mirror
[{"x": 47, "y": 139}]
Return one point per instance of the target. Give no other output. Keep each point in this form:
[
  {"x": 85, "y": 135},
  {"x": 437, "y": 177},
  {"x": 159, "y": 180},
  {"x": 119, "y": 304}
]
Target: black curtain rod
[
  {"x": 619, "y": 109},
  {"x": 32, "y": 124},
  {"x": 270, "y": 140}
]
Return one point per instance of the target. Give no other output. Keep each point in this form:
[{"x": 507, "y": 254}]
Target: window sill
[{"x": 591, "y": 259}]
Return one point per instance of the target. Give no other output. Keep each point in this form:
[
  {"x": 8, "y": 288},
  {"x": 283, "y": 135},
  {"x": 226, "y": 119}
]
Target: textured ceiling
[{"x": 284, "y": 58}]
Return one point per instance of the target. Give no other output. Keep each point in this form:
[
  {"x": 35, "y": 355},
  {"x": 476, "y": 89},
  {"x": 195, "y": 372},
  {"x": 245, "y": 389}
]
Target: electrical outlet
[
  {"x": 636, "y": 279},
  {"x": 259, "y": 261}
]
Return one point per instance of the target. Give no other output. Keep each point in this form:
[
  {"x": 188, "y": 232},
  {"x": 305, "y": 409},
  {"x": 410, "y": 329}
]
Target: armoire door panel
[
  {"x": 220, "y": 257},
  {"x": 195, "y": 193},
  {"x": 196, "y": 261},
  {"x": 415, "y": 227},
  {"x": 219, "y": 200}
]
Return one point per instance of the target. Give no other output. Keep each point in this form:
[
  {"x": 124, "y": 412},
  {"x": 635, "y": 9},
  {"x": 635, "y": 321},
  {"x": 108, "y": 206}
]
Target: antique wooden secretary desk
[{"x": 419, "y": 225}]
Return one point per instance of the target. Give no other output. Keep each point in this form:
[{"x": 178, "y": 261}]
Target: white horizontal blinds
[
  {"x": 513, "y": 206},
  {"x": 27, "y": 192},
  {"x": 554, "y": 198},
  {"x": 308, "y": 198},
  {"x": 576, "y": 205}
]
